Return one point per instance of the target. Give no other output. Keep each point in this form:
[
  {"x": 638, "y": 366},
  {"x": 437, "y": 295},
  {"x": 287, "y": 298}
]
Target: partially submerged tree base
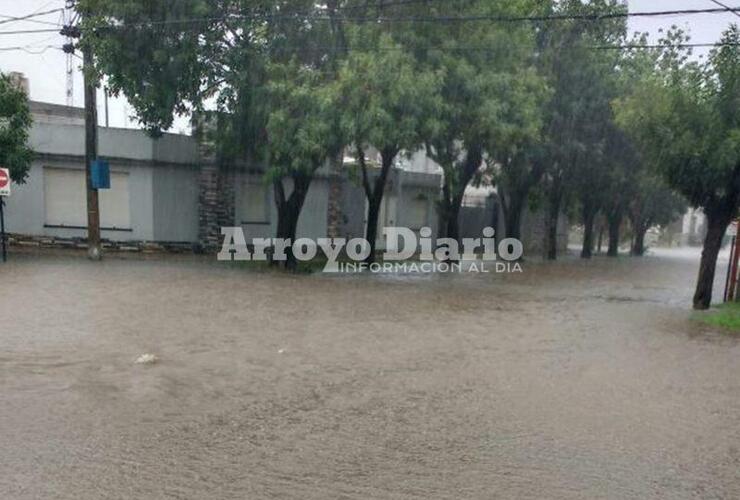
[{"x": 717, "y": 227}]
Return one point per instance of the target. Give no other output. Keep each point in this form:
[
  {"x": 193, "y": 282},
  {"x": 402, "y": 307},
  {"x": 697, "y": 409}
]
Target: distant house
[
  {"x": 693, "y": 227},
  {"x": 166, "y": 191}
]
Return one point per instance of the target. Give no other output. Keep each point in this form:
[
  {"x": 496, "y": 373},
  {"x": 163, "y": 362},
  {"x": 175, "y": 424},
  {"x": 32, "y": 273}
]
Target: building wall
[
  {"x": 534, "y": 232},
  {"x": 481, "y": 214},
  {"x": 474, "y": 218},
  {"x": 312, "y": 222},
  {"x": 417, "y": 191},
  {"x": 165, "y": 188},
  {"x": 26, "y": 208},
  {"x": 353, "y": 209},
  {"x": 175, "y": 203},
  {"x": 694, "y": 227},
  {"x": 69, "y": 139},
  {"x": 160, "y": 175},
  {"x": 403, "y": 192}
]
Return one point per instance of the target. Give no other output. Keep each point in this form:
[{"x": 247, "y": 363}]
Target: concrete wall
[
  {"x": 161, "y": 175},
  {"x": 403, "y": 187},
  {"x": 312, "y": 222},
  {"x": 26, "y": 212},
  {"x": 63, "y": 139},
  {"x": 353, "y": 207},
  {"x": 474, "y": 218},
  {"x": 424, "y": 187},
  {"x": 164, "y": 187},
  {"x": 175, "y": 203},
  {"x": 533, "y": 232}
]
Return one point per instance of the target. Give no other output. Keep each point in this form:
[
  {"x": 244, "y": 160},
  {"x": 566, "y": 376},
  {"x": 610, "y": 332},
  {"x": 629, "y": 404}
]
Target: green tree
[
  {"x": 653, "y": 203},
  {"x": 620, "y": 188},
  {"x": 15, "y": 123},
  {"x": 516, "y": 175},
  {"x": 390, "y": 104},
  {"x": 259, "y": 65},
  {"x": 687, "y": 119},
  {"x": 486, "y": 84},
  {"x": 517, "y": 155},
  {"x": 302, "y": 136},
  {"x": 639, "y": 191},
  {"x": 577, "y": 116}
]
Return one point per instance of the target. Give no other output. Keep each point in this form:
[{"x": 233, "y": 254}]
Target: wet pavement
[{"x": 571, "y": 380}]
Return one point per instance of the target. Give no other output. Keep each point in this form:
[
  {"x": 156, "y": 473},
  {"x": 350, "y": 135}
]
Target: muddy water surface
[{"x": 572, "y": 380}]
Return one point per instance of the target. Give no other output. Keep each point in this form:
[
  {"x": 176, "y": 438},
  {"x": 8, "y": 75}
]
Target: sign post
[
  {"x": 4, "y": 191},
  {"x": 732, "y": 272}
]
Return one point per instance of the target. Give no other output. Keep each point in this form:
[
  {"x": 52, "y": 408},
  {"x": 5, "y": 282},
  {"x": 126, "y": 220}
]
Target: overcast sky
[{"x": 45, "y": 67}]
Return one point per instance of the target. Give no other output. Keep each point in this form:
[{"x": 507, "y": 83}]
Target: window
[{"x": 253, "y": 205}]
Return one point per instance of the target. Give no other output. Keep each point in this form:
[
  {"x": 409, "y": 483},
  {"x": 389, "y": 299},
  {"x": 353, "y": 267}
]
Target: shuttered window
[{"x": 65, "y": 200}]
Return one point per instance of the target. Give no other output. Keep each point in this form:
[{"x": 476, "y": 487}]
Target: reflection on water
[{"x": 572, "y": 380}]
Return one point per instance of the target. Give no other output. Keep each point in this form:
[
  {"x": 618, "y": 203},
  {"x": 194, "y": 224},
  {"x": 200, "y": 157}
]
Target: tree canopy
[
  {"x": 557, "y": 109},
  {"x": 15, "y": 123},
  {"x": 685, "y": 118}
]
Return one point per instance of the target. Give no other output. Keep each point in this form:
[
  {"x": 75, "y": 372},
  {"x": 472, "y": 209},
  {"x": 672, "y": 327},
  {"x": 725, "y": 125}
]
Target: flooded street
[{"x": 571, "y": 380}]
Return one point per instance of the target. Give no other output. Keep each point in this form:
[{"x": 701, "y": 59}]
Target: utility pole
[
  {"x": 91, "y": 135},
  {"x": 91, "y": 155},
  {"x": 2, "y": 231}
]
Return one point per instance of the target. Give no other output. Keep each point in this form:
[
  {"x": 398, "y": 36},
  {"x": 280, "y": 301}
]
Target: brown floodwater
[{"x": 571, "y": 380}]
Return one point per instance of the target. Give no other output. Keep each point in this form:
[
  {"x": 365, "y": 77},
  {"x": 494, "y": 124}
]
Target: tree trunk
[
  {"x": 589, "y": 216},
  {"x": 716, "y": 229},
  {"x": 374, "y": 194},
  {"x": 513, "y": 216},
  {"x": 638, "y": 245},
  {"x": 639, "y": 229},
  {"x": 371, "y": 232},
  {"x": 600, "y": 243},
  {"x": 454, "y": 192},
  {"x": 553, "y": 217},
  {"x": 453, "y": 221},
  {"x": 289, "y": 212},
  {"x": 615, "y": 223},
  {"x": 449, "y": 216},
  {"x": 287, "y": 227}
]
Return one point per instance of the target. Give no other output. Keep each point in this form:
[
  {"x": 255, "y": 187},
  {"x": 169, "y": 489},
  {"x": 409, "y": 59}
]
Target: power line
[
  {"x": 429, "y": 19},
  {"x": 11, "y": 19},
  {"x": 551, "y": 17},
  {"x": 27, "y": 32},
  {"x": 29, "y": 17},
  {"x": 447, "y": 49},
  {"x": 384, "y": 5},
  {"x": 28, "y": 50},
  {"x": 727, "y": 7},
  {"x": 659, "y": 46},
  {"x": 444, "y": 19},
  {"x": 490, "y": 49}
]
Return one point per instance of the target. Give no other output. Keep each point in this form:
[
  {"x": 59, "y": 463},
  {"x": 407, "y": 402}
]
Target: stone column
[
  {"x": 226, "y": 197},
  {"x": 209, "y": 230}
]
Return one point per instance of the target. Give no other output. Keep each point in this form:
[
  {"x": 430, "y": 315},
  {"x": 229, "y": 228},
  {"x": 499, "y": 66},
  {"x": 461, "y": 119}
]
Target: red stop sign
[{"x": 4, "y": 178}]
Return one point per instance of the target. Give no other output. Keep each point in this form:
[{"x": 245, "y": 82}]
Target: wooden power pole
[{"x": 94, "y": 250}]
